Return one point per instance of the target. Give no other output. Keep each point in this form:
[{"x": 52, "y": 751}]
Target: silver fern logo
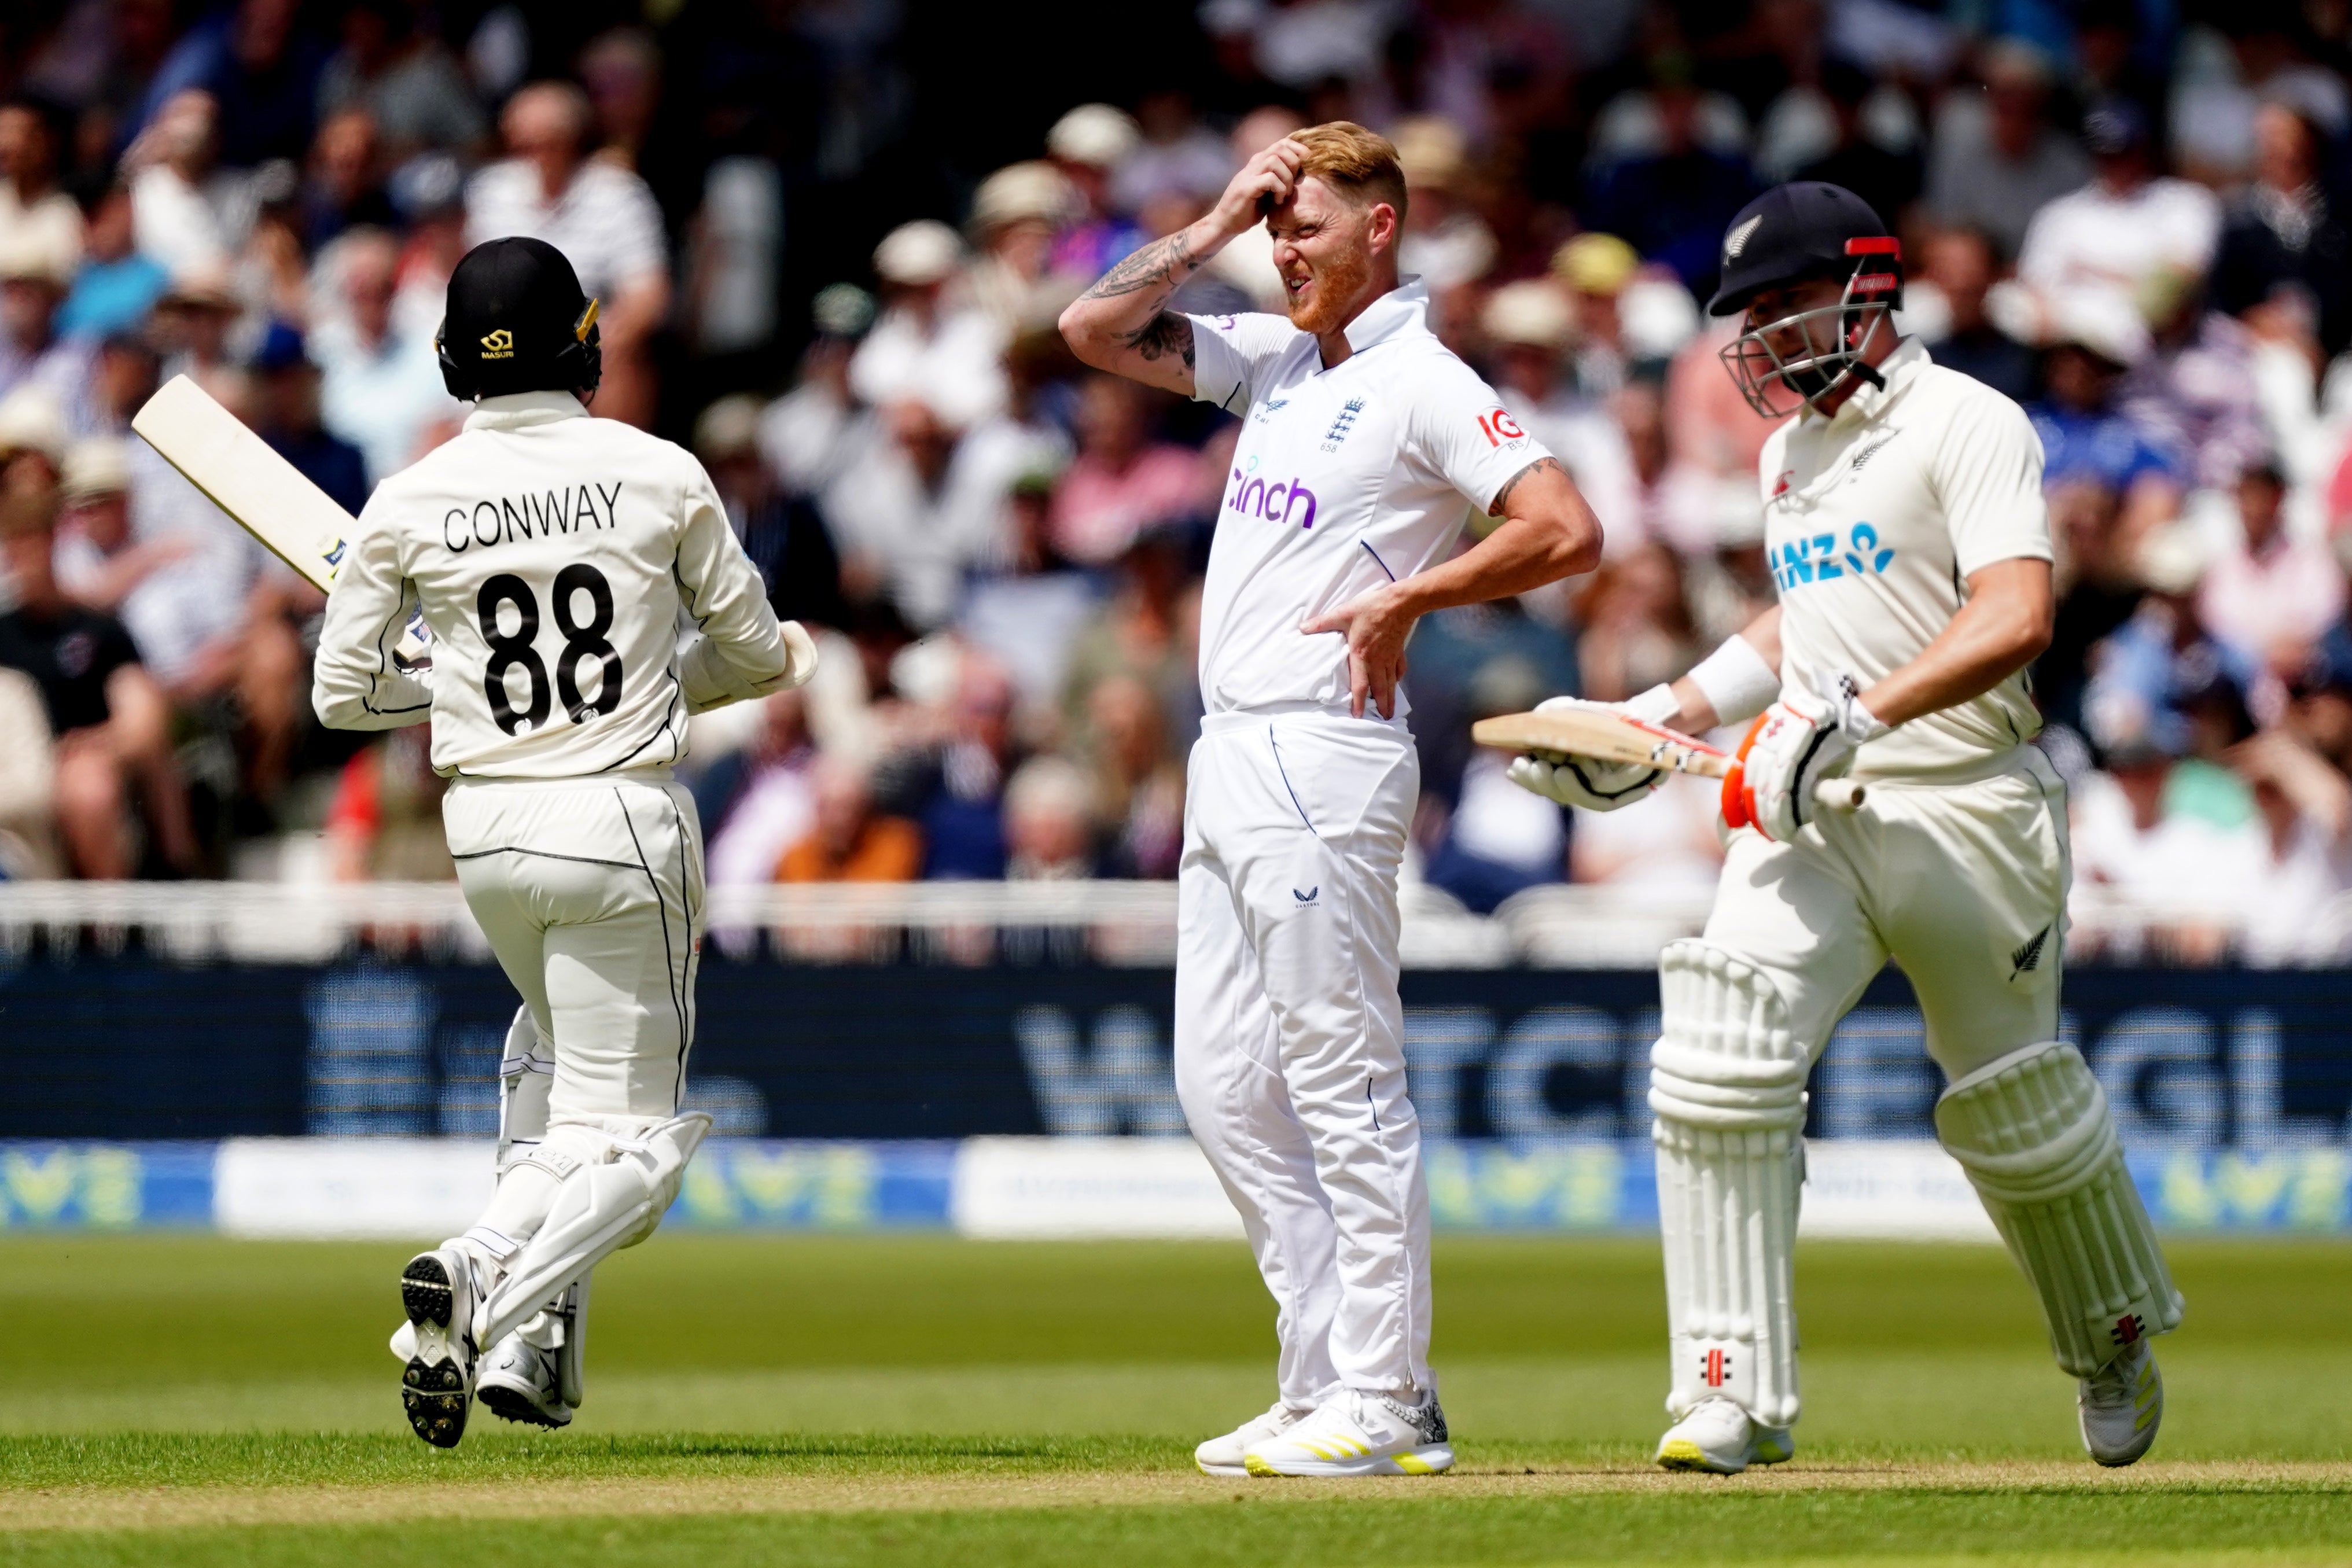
[{"x": 1736, "y": 240}]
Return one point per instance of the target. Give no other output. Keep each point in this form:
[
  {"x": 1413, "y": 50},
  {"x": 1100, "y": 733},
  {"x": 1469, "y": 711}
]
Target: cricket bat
[
  {"x": 1614, "y": 738},
  {"x": 270, "y": 497}
]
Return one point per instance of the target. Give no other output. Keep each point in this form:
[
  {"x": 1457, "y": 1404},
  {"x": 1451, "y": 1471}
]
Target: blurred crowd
[{"x": 2133, "y": 215}]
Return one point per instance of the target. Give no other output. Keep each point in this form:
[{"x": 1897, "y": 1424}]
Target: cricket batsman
[
  {"x": 1364, "y": 446},
  {"x": 1907, "y": 533},
  {"x": 553, "y": 557}
]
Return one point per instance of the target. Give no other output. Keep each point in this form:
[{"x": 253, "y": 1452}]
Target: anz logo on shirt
[{"x": 1820, "y": 557}]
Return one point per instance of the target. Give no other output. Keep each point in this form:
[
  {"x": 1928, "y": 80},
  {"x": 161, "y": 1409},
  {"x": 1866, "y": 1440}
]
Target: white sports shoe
[
  {"x": 2121, "y": 1405},
  {"x": 1357, "y": 1432},
  {"x": 437, "y": 1290},
  {"x": 1721, "y": 1437},
  {"x": 522, "y": 1380},
  {"x": 1225, "y": 1455}
]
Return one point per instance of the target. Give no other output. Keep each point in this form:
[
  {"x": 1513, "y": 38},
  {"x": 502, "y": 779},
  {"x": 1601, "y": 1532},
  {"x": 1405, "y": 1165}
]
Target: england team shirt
[
  {"x": 1875, "y": 518},
  {"x": 1343, "y": 479}
]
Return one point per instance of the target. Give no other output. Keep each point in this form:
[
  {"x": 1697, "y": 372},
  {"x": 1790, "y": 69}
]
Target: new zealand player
[
  {"x": 1905, "y": 528},
  {"x": 551, "y": 555}
]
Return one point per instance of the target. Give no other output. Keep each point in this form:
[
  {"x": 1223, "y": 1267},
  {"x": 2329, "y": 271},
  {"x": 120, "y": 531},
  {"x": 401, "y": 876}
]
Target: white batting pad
[
  {"x": 601, "y": 1208},
  {"x": 2033, "y": 1131},
  {"x": 526, "y": 1074},
  {"x": 1728, "y": 1087}
]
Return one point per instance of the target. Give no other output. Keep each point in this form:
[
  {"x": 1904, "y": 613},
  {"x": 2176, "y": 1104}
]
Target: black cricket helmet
[
  {"x": 517, "y": 321},
  {"x": 1801, "y": 230}
]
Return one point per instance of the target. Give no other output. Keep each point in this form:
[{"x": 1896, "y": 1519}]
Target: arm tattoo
[
  {"x": 1503, "y": 496},
  {"x": 1162, "y": 264},
  {"x": 1164, "y": 335}
]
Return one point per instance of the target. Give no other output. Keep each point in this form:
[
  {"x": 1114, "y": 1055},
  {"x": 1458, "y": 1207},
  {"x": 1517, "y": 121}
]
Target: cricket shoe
[
  {"x": 2121, "y": 1405},
  {"x": 1358, "y": 1432},
  {"x": 1719, "y": 1436},
  {"x": 437, "y": 1291},
  {"x": 523, "y": 1381},
  {"x": 1227, "y": 1455}
]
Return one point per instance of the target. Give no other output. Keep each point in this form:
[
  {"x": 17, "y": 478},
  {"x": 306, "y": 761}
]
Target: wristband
[
  {"x": 1736, "y": 681},
  {"x": 1658, "y": 705}
]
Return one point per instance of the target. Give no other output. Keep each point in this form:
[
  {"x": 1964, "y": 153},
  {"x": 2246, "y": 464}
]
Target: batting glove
[
  {"x": 1589, "y": 782},
  {"x": 1792, "y": 746}
]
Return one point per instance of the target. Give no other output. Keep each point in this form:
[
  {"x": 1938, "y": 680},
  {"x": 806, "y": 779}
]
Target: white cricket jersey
[
  {"x": 1874, "y": 520},
  {"x": 551, "y": 553},
  {"x": 1343, "y": 479}
]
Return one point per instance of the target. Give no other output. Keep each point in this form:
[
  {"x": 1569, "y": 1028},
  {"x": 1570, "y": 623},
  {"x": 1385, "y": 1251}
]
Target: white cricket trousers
[
  {"x": 1290, "y": 1035},
  {"x": 591, "y": 892},
  {"x": 1962, "y": 883}
]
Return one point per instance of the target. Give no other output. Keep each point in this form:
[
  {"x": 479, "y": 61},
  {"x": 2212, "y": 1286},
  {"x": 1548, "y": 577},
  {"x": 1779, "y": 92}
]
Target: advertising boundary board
[{"x": 1074, "y": 1188}]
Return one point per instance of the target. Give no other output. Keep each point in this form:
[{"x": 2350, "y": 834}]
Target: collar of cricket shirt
[
  {"x": 1898, "y": 370},
  {"x": 514, "y": 410},
  {"x": 1403, "y": 308}
]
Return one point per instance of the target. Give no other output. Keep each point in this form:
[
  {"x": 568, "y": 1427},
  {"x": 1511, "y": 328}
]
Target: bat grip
[{"x": 1838, "y": 795}]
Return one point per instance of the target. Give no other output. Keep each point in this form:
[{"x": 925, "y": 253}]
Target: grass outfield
[{"x": 874, "y": 1400}]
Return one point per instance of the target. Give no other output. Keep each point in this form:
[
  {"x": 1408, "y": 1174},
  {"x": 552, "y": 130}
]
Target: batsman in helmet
[
  {"x": 1908, "y": 537},
  {"x": 584, "y": 593}
]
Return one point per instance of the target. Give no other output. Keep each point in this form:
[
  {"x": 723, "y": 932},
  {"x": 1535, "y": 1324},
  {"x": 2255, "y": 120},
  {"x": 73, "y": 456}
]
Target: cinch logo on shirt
[
  {"x": 1275, "y": 502},
  {"x": 1817, "y": 558}
]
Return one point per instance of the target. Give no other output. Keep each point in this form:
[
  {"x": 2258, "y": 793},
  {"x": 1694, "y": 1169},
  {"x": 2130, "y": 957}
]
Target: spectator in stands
[
  {"x": 33, "y": 209},
  {"x": 32, "y": 286},
  {"x": 1593, "y": 270},
  {"x": 109, "y": 722},
  {"x": 262, "y": 67},
  {"x": 811, "y": 433},
  {"x": 2271, "y": 595},
  {"x": 1889, "y": 181},
  {"x": 1123, "y": 482},
  {"x": 758, "y": 798},
  {"x": 2284, "y": 230},
  {"x": 1016, "y": 214},
  {"x": 1530, "y": 325},
  {"x": 2128, "y": 227},
  {"x": 1149, "y": 630},
  {"x": 926, "y": 344},
  {"x": 1960, "y": 267},
  {"x": 1138, "y": 783},
  {"x": 1672, "y": 205},
  {"x": 384, "y": 821},
  {"x": 1177, "y": 155},
  {"x": 1049, "y": 821},
  {"x": 1445, "y": 240},
  {"x": 915, "y": 516},
  {"x": 99, "y": 560},
  {"x": 380, "y": 384},
  {"x": 1495, "y": 846},
  {"x": 405, "y": 81},
  {"x": 287, "y": 384},
  {"x": 2195, "y": 392},
  {"x": 846, "y": 841},
  {"x": 1637, "y": 625},
  {"x": 117, "y": 286},
  {"x": 344, "y": 182},
  {"x": 186, "y": 212},
  {"x": 600, "y": 214},
  {"x": 2085, "y": 432},
  {"x": 2306, "y": 811},
  {"x": 951, "y": 783},
  {"x": 2099, "y": 585},
  {"x": 1088, "y": 144},
  {"x": 1995, "y": 159}
]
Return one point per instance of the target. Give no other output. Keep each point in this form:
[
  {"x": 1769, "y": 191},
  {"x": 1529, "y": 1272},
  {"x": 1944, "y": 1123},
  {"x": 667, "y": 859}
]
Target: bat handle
[{"x": 1838, "y": 795}]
